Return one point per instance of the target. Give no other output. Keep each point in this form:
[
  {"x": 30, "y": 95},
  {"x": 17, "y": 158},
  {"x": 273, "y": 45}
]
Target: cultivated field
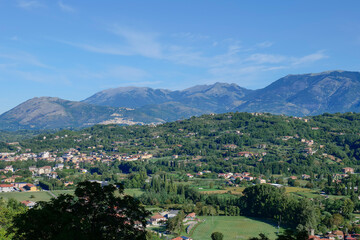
[{"x": 236, "y": 227}]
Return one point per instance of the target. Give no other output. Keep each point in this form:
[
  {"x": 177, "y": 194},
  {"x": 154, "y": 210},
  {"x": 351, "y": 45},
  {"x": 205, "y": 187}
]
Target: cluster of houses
[
  {"x": 161, "y": 217},
  {"x": 250, "y": 154},
  {"x": 73, "y": 156},
  {"x": 245, "y": 176},
  {"x": 18, "y": 187},
  {"x": 335, "y": 235}
]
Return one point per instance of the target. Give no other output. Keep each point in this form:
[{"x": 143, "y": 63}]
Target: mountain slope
[
  {"x": 48, "y": 112},
  {"x": 297, "y": 95},
  {"x": 216, "y": 97},
  {"x": 307, "y": 94},
  {"x": 219, "y": 97},
  {"x": 130, "y": 97}
]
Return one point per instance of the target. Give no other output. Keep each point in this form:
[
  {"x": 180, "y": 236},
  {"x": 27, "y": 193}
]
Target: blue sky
[{"x": 73, "y": 49}]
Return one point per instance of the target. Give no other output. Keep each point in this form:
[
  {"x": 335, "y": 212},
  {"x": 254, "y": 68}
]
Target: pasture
[{"x": 234, "y": 227}]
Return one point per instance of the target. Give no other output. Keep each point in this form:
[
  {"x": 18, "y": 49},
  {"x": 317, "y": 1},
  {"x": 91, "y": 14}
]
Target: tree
[
  {"x": 347, "y": 208},
  {"x": 175, "y": 224},
  {"x": 93, "y": 213},
  {"x": 293, "y": 235},
  {"x": 262, "y": 236},
  {"x": 217, "y": 236}
]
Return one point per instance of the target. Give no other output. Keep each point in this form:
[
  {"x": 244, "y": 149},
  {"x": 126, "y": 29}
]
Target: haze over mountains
[{"x": 297, "y": 95}]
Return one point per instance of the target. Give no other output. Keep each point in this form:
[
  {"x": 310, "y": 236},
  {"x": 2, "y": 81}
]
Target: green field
[
  {"x": 22, "y": 196},
  {"x": 234, "y": 228},
  {"x": 58, "y": 192},
  {"x": 134, "y": 192}
]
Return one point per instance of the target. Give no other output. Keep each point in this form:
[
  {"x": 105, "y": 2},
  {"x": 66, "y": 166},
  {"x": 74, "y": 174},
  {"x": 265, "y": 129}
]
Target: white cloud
[
  {"x": 29, "y": 4},
  {"x": 227, "y": 58},
  {"x": 265, "y": 44},
  {"x": 139, "y": 43},
  {"x": 104, "y": 49},
  {"x": 65, "y": 7},
  {"x": 190, "y": 36},
  {"x": 310, "y": 58},
  {"x": 265, "y": 58}
]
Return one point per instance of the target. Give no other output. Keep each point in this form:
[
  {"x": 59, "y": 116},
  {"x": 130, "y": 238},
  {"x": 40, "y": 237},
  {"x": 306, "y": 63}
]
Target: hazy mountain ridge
[
  {"x": 307, "y": 94},
  {"x": 298, "y": 95},
  {"x": 49, "y": 112}
]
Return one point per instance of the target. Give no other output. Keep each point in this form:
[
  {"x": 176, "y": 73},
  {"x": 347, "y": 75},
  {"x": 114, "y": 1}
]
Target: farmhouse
[
  {"x": 6, "y": 187},
  {"x": 30, "y": 187},
  {"x": 190, "y": 216},
  {"x": 157, "y": 219},
  {"x": 28, "y": 203},
  {"x": 348, "y": 170}
]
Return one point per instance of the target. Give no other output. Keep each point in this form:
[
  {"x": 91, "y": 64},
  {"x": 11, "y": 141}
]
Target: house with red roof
[
  {"x": 6, "y": 187},
  {"x": 339, "y": 234},
  {"x": 182, "y": 238},
  {"x": 190, "y": 216},
  {"x": 157, "y": 219},
  {"x": 28, "y": 203}
]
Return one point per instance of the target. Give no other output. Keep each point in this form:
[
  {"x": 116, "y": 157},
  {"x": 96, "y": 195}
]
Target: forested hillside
[{"x": 261, "y": 143}]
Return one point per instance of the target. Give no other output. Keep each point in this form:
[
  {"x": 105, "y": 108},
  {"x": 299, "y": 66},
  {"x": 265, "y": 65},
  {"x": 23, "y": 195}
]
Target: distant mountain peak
[{"x": 297, "y": 95}]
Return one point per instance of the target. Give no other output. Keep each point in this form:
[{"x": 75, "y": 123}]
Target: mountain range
[{"x": 296, "y": 95}]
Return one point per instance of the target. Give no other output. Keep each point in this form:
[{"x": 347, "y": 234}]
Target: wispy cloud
[
  {"x": 265, "y": 44},
  {"x": 29, "y": 4},
  {"x": 115, "y": 73},
  {"x": 132, "y": 43},
  {"x": 41, "y": 77},
  {"x": 310, "y": 58},
  {"x": 140, "y": 43},
  {"x": 260, "y": 58},
  {"x": 228, "y": 58},
  {"x": 101, "y": 48},
  {"x": 65, "y": 7},
  {"x": 23, "y": 57},
  {"x": 190, "y": 36}
]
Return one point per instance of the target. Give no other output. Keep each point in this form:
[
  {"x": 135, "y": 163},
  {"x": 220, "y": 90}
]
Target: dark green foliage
[
  {"x": 8, "y": 210},
  {"x": 267, "y": 201},
  {"x": 93, "y": 213},
  {"x": 217, "y": 236},
  {"x": 293, "y": 235},
  {"x": 261, "y": 237},
  {"x": 175, "y": 224}
]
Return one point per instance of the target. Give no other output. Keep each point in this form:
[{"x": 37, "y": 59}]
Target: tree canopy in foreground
[{"x": 95, "y": 212}]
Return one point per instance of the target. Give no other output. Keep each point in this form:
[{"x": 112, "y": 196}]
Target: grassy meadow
[
  {"x": 31, "y": 196},
  {"x": 234, "y": 227}
]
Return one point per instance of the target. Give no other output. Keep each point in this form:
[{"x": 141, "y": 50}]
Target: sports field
[{"x": 234, "y": 227}]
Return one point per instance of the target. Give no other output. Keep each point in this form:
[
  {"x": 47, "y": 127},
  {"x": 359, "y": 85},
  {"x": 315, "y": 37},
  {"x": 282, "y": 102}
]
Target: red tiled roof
[
  {"x": 157, "y": 216},
  {"x": 6, "y": 185},
  {"x": 338, "y": 232}
]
